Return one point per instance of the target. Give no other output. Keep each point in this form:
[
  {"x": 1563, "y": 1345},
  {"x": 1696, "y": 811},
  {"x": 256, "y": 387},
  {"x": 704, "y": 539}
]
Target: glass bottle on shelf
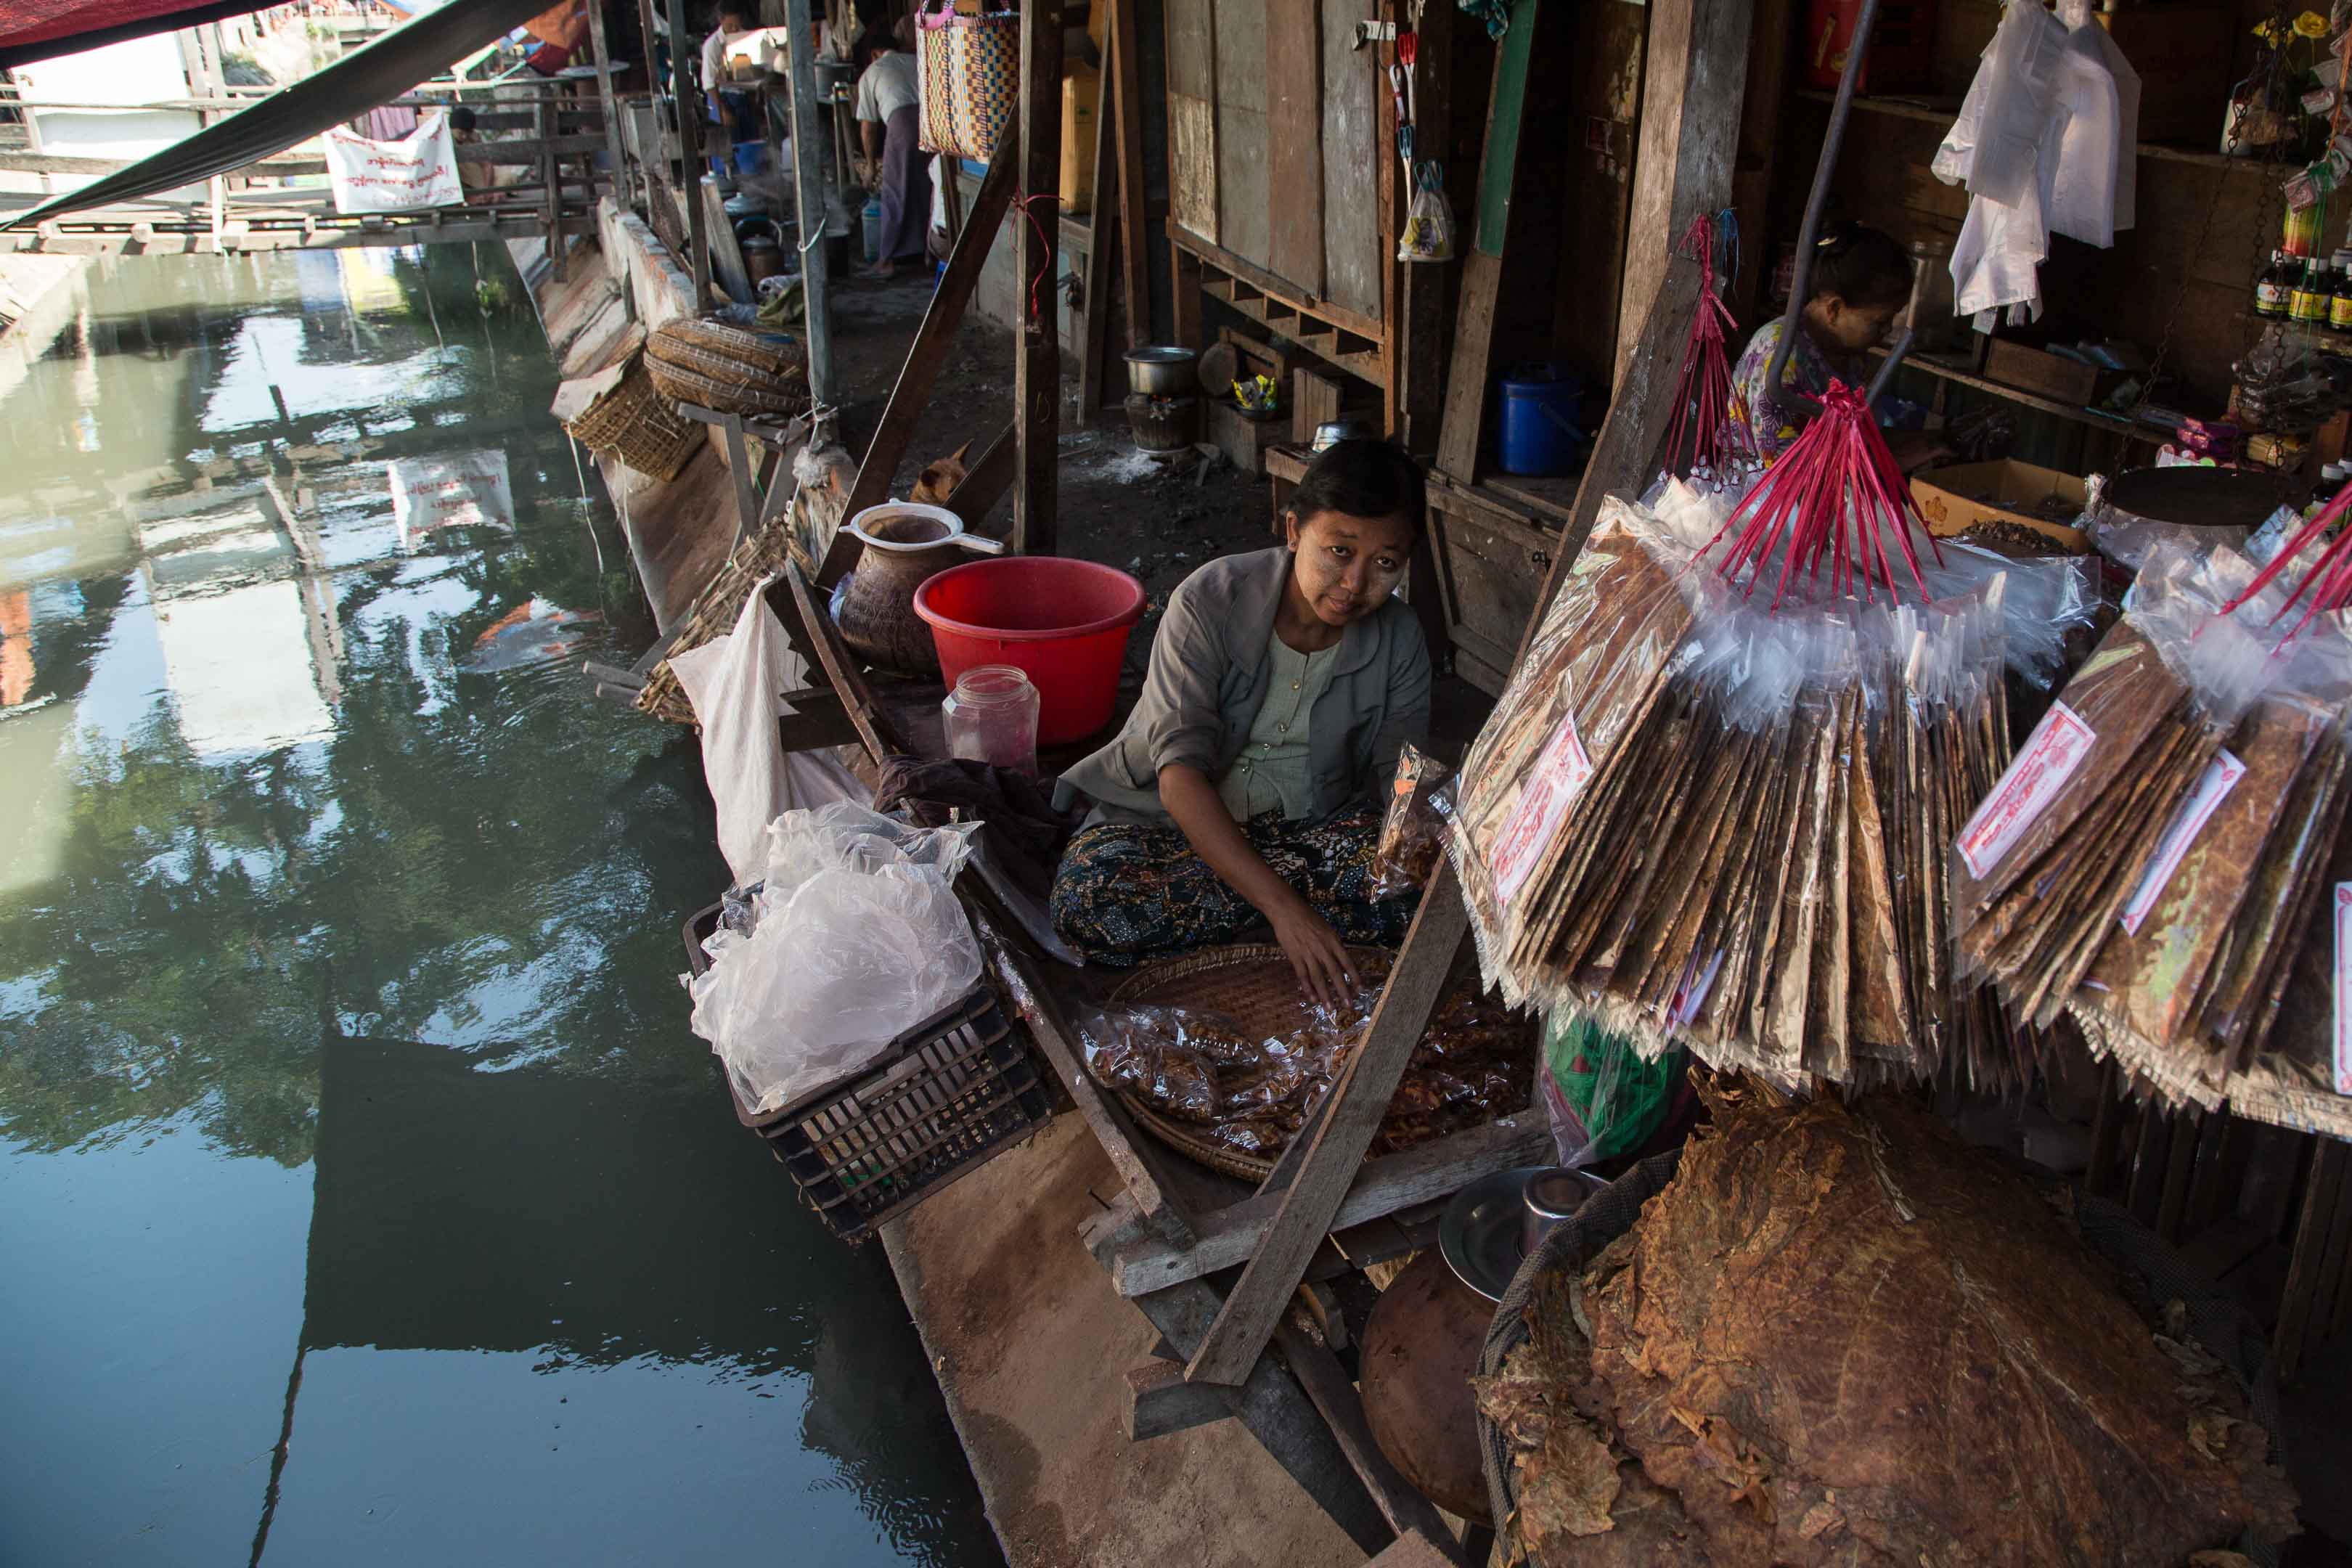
[
  {"x": 2339, "y": 307},
  {"x": 2274, "y": 288},
  {"x": 2308, "y": 303}
]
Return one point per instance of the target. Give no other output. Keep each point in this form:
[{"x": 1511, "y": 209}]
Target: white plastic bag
[
  {"x": 859, "y": 938},
  {"x": 735, "y": 683},
  {"x": 1429, "y": 222}
]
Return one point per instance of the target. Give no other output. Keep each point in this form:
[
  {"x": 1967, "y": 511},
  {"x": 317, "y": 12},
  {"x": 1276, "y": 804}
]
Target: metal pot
[
  {"x": 1162, "y": 372},
  {"x": 762, "y": 256},
  {"x": 906, "y": 544},
  {"x": 1331, "y": 431}
]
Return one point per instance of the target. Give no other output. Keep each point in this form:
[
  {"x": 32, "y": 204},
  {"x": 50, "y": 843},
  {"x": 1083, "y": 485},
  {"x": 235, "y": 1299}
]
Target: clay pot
[
  {"x": 1421, "y": 1348},
  {"x": 905, "y": 546}
]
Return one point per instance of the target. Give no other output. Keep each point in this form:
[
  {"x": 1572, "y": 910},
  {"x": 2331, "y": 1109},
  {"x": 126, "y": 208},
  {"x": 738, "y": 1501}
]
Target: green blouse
[{"x": 1275, "y": 769}]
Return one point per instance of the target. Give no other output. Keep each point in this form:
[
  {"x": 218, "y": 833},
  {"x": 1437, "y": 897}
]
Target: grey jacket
[{"x": 1208, "y": 677}]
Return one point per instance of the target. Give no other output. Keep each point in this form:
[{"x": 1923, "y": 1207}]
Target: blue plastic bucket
[
  {"x": 871, "y": 221},
  {"x": 751, "y": 158},
  {"x": 1536, "y": 432}
]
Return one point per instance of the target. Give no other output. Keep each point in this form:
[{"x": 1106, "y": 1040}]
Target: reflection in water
[{"x": 339, "y": 1036}]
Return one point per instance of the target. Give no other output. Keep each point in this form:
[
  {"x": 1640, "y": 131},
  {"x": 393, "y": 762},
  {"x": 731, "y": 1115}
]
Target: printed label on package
[
  {"x": 2343, "y": 982},
  {"x": 2060, "y": 743},
  {"x": 2220, "y": 776},
  {"x": 1559, "y": 774}
]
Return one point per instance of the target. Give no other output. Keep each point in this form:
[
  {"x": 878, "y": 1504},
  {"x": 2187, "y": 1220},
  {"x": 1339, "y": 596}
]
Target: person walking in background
[
  {"x": 730, "y": 107},
  {"x": 888, "y": 122}
]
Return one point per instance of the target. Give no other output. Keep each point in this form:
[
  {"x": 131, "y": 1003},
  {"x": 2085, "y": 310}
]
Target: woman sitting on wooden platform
[{"x": 1248, "y": 785}]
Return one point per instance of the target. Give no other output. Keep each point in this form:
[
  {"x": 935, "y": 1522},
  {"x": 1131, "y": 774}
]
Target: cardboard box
[
  {"x": 1956, "y": 500},
  {"x": 2038, "y": 370}
]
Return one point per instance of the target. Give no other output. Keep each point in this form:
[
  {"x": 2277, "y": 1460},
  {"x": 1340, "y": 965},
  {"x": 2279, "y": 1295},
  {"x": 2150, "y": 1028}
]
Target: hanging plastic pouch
[{"x": 1429, "y": 221}]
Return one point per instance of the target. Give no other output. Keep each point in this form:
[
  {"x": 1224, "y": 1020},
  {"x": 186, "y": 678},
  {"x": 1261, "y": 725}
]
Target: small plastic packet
[
  {"x": 1429, "y": 221},
  {"x": 1413, "y": 834}
]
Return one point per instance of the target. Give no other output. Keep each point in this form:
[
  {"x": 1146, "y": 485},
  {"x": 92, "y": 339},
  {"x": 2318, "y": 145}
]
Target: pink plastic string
[
  {"x": 1832, "y": 498},
  {"x": 2328, "y": 579},
  {"x": 1703, "y": 392}
]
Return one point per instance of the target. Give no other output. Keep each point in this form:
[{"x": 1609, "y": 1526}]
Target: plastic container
[
  {"x": 1537, "y": 434},
  {"x": 751, "y": 158},
  {"x": 1062, "y": 623},
  {"x": 872, "y": 221},
  {"x": 991, "y": 716}
]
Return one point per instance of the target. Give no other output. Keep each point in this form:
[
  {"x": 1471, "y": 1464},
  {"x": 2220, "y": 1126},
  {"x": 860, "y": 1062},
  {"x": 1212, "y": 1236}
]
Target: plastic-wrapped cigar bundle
[{"x": 1699, "y": 815}]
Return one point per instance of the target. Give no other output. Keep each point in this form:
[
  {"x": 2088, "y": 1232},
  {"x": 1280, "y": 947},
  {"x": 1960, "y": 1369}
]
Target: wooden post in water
[
  {"x": 808, "y": 181},
  {"x": 689, "y": 147}
]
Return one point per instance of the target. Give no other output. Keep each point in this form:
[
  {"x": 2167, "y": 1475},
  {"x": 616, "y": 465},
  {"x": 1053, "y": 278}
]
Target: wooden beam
[
  {"x": 1037, "y": 353},
  {"x": 1127, "y": 109},
  {"x": 1102, "y": 247},
  {"x": 1144, "y": 1165},
  {"x": 2309, "y": 1260},
  {"x": 689, "y": 147},
  {"x": 1271, "y": 1407},
  {"x": 1761, "y": 113},
  {"x": 1187, "y": 282},
  {"x": 1293, "y": 143},
  {"x": 1387, "y": 1185},
  {"x": 1462, "y": 435},
  {"x": 985, "y": 482},
  {"x": 1691, "y": 97},
  {"x": 1424, "y": 287},
  {"x": 602, "y": 55},
  {"x": 1627, "y": 446},
  {"x": 1358, "y": 1101},
  {"x": 1156, "y": 1401},
  {"x": 808, "y": 184},
  {"x": 925, "y": 356},
  {"x": 1342, "y": 1408},
  {"x": 725, "y": 253},
  {"x": 1283, "y": 294}
]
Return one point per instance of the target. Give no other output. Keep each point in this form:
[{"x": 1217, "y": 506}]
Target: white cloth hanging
[{"x": 2045, "y": 142}]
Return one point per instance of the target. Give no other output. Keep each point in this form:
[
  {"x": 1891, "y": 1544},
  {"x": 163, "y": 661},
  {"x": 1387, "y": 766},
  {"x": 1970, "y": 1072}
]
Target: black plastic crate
[{"x": 943, "y": 1097}]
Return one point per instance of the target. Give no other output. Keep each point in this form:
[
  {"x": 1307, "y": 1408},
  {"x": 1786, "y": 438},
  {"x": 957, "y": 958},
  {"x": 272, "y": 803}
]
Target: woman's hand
[{"x": 1317, "y": 954}]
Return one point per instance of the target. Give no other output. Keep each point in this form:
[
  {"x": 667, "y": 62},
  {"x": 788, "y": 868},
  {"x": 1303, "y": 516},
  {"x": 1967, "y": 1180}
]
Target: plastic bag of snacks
[
  {"x": 1413, "y": 834},
  {"x": 1429, "y": 222}
]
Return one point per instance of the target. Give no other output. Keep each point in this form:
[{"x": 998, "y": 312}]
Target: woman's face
[
  {"x": 1346, "y": 567},
  {"x": 1837, "y": 322}
]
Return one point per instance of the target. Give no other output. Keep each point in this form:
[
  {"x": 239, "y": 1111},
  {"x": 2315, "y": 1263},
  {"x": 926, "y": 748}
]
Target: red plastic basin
[{"x": 1063, "y": 622}]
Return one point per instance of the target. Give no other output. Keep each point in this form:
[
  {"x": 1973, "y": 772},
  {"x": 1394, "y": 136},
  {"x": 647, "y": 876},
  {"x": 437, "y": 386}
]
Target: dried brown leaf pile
[{"x": 1840, "y": 1338}]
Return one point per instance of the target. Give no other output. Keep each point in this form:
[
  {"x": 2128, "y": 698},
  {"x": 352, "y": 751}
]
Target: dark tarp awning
[
  {"x": 366, "y": 76},
  {"x": 42, "y": 29}
]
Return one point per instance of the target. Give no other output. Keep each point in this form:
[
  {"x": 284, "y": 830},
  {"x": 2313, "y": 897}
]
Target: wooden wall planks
[
  {"x": 1191, "y": 116},
  {"x": 1355, "y": 256},
  {"x": 1244, "y": 201},
  {"x": 1294, "y": 144}
]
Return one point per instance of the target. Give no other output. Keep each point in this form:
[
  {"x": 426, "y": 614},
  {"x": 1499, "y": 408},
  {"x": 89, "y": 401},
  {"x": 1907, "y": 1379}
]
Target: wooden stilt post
[
  {"x": 808, "y": 181},
  {"x": 1037, "y": 353},
  {"x": 690, "y": 148},
  {"x": 611, "y": 109},
  {"x": 1102, "y": 248},
  {"x": 1124, "y": 96}
]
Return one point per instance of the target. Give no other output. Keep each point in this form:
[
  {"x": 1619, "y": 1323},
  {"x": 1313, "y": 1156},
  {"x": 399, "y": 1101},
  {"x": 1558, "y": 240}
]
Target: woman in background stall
[
  {"x": 1248, "y": 785},
  {"x": 1861, "y": 279}
]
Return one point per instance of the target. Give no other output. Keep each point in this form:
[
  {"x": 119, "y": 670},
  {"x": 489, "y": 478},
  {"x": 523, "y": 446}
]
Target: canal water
[{"x": 363, "y": 1196}]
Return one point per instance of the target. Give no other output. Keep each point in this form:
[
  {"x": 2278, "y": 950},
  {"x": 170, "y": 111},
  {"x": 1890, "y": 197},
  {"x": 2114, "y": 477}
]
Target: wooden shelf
[
  {"x": 1945, "y": 368},
  {"x": 2327, "y": 338},
  {"x": 1942, "y": 111}
]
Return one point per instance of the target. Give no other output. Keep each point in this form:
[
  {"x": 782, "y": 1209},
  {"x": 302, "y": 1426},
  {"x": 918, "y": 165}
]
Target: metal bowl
[{"x": 1162, "y": 372}]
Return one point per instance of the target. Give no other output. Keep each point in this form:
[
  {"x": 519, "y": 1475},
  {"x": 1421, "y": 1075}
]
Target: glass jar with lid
[{"x": 991, "y": 716}]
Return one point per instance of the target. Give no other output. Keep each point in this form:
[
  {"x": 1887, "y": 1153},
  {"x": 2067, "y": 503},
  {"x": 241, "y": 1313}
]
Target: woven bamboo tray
[
  {"x": 1250, "y": 983},
  {"x": 770, "y": 353},
  {"x": 684, "y": 385},
  {"x": 758, "y": 365},
  {"x": 636, "y": 424}
]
